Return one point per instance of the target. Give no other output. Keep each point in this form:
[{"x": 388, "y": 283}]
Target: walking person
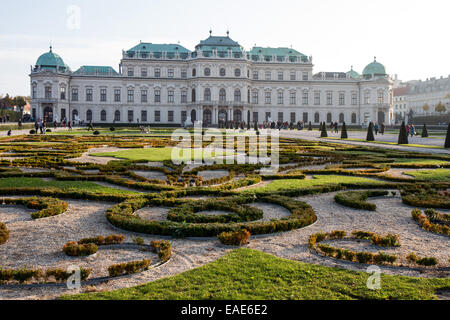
[
  {"x": 376, "y": 129},
  {"x": 70, "y": 125},
  {"x": 91, "y": 127},
  {"x": 412, "y": 130},
  {"x": 36, "y": 126},
  {"x": 383, "y": 127},
  {"x": 336, "y": 127}
]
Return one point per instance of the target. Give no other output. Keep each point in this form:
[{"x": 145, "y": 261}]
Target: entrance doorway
[{"x": 48, "y": 114}]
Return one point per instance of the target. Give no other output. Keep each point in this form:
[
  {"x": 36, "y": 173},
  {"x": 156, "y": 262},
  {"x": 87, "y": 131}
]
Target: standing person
[
  {"x": 44, "y": 126},
  {"x": 55, "y": 125},
  {"x": 41, "y": 127},
  {"x": 70, "y": 125},
  {"x": 20, "y": 123},
  {"x": 407, "y": 129},
  {"x": 412, "y": 130},
  {"x": 336, "y": 127},
  {"x": 91, "y": 127},
  {"x": 383, "y": 127},
  {"x": 376, "y": 129},
  {"x": 36, "y": 126}
]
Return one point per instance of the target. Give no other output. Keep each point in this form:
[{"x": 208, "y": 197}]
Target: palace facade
[{"x": 167, "y": 84}]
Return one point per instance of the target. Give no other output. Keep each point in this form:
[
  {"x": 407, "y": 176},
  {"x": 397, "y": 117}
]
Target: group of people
[
  {"x": 379, "y": 128},
  {"x": 411, "y": 130}
]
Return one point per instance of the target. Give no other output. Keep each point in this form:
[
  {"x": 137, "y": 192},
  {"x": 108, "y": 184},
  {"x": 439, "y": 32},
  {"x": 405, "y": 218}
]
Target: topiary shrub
[
  {"x": 32, "y": 131},
  {"x": 403, "y": 136},
  {"x": 235, "y": 238},
  {"x": 74, "y": 249},
  {"x": 163, "y": 248},
  {"x": 96, "y": 133},
  {"x": 344, "y": 134},
  {"x": 104, "y": 241},
  {"x": 4, "y": 233},
  {"x": 424, "y": 131},
  {"x": 447, "y": 138},
  {"x": 370, "y": 136},
  {"x": 324, "y": 133},
  {"x": 112, "y": 129},
  {"x": 132, "y": 267},
  {"x": 62, "y": 275}
]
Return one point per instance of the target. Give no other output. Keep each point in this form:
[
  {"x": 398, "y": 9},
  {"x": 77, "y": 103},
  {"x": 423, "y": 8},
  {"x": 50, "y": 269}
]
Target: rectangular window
[
  {"x": 103, "y": 95},
  {"x": 130, "y": 95},
  {"x": 293, "y": 119},
  {"x": 255, "y": 75},
  {"x": 144, "y": 115},
  {"x": 268, "y": 116},
  {"x": 170, "y": 73},
  {"x": 305, "y": 98},
  {"x": 34, "y": 94},
  {"x": 268, "y": 98},
  {"x": 305, "y": 76},
  {"x": 341, "y": 98},
  {"x": 183, "y": 96},
  {"x": 317, "y": 98},
  {"x": 116, "y": 95},
  {"x": 170, "y": 116},
  {"x": 293, "y": 77},
  {"x": 268, "y": 75},
  {"x": 170, "y": 96},
  {"x": 329, "y": 98},
  {"x": 74, "y": 94},
  {"x": 183, "y": 116},
  {"x": 62, "y": 93},
  {"x": 157, "y": 116},
  {"x": 367, "y": 97},
  {"x": 280, "y": 76},
  {"x": 144, "y": 96},
  {"x": 293, "y": 97},
  {"x": 157, "y": 95},
  {"x": 280, "y": 116},
  {"x": 88, "y": 94},
  {"x": 255, "y": 117},
  {"x": 255, "y": 97},
  {"x": 280, "y": 97},
  {"x": 183, "y": 73},
  {"x": 48, "y": 92},
  {"x": 157, "y": 73},
  {"x": 130, "y": 72},
  {"x": 130, "y": 115},
  {"x": 144, "y": 73},
  {"x": 305, "y": 117},
  {"x": 354, "y": 99},
  {"x": 63, "y": 114},
  {"x": 380, "y": 97}
]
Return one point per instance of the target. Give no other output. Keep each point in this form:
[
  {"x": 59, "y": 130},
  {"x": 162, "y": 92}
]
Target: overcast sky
[{"x": 410, "y": 37}]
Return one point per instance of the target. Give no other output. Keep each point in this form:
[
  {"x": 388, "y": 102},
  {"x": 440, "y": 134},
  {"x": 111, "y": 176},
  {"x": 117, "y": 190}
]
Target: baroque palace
[{"x": 167, "y": 84}]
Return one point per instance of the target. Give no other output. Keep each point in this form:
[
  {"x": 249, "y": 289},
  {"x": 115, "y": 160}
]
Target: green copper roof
[
  {"x": 96, "y": 70},
  {"x": 353, "y": 74},
  {"x": 51, "y": 60},
  {"x": 279, "y": 53},
  {"x": 214, "y": 41},
  {"x": 143, "y": 49},
  {"x": 374, "y": 68}
]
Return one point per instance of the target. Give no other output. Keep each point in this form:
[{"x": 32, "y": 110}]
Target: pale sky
[{"x": 410, "y": 37}]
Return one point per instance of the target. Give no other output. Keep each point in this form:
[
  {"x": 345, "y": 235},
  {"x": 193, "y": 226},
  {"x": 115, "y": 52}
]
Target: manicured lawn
[
  {"x": 318, "y": 180},
  {"x": 390, "y": 143},
  {"x": 249, "y": 274},
  {"x": 421, "y": 161},
  {"x": 63, "y": 185},
  {"x": 153, "y": 154},
  {"x": 431, "y": 175}
]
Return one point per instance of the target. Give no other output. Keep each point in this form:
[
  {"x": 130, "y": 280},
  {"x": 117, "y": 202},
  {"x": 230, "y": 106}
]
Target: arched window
[
  {"x": 237, "y": 95},
  {"x": 194, "y": 72},
  {"x": 207, "y": 95},
  {"x": 237, "y": 72},
  {"x": 222, "y": 72},
  {"x": 237, "y": 116},
  {"x": 222, "y": 95},
  {"x": 117, "y": 115},
  {"x": 89, "y": 115},
  {"x": 193, "y": 95},
  {"x": 74, "y": 114},
  {"x": 353, "y": 118},
  {"x": 103, "y": 115},
  {"x": 341, "y": 118},
  {"x": 207, "y": 72},
  {"x": 329, "y": 117},
  {"x": 316, "y": 117},
  {"x": 193, "y": 115}
]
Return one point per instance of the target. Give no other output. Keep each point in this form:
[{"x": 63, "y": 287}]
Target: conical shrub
[
  {"x": 424, "y": 131},
  {"x": 310, "y": 126},
  {"x": 344, "y": 134},
  {"x": 324, "y": 133},
  {"x": 447, "y": 138},
  {"x": 403, "y": 136},
  {"x": 370, "y": 136}
]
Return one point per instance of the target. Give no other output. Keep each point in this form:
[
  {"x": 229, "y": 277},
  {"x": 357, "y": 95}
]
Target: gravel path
[{"x": 40, "y": 242}]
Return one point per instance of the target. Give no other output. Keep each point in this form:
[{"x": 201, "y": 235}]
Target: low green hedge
[
  {"x": 47, "y": 207},
  {"x": 357, "y": 199}
]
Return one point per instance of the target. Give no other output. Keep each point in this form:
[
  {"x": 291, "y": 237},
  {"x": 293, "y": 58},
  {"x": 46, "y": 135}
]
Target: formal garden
[{"x": 139, "y": 226}]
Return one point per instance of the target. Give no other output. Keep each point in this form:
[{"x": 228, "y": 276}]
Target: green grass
[
  {"x": 421, "y": 161},
  {"x": 249, "y": 274},
  {"x": 63, "y": 185},
  {"x": 431, "y": 175},
  {"x": 318, "y": 180},
  {"x": 153, "y": 154},
  {"x": 389, "y": 143}
]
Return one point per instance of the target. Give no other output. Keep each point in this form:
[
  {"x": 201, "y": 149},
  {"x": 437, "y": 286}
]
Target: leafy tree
[
  {"x": 344, "y": 134},
  {"x": 403, "y": 136},
  {"x": 440, "y": 107},
  {"x": 426, "y": 107}
]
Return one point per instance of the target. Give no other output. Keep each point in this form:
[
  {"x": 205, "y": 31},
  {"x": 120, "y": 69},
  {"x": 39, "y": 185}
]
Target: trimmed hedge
[
  {"x": 74, "y": 249},
  {"x": 4, "y": 233},
  {"x": 163, "y": 248},
  {"x": 357, "y": 199},
  {"x": 103, "y": 241},
  {"x": 432, "y": 221},
  {"x": 24, "y": 274},
  {"x": 47, "y": 207},
  {"x": 122, "y": 216},
  {"x": 235, "y": 238},
  {"x": 132, "y": 267}
]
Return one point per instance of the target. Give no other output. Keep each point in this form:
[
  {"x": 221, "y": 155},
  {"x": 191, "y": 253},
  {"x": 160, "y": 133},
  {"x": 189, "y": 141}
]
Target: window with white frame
[
  {"x": 268, "y": 75},
  {"x": 222, "y": 72},
  {"x": 170, "y": 73},
  {"x": 157, "y": 73},
  {"x": 144, "y": 96},
  {"x": 184, "y": 96},
  {"x": 305, "y": 98},
  {"x": 341, "y": 98},
  {"x": 130, "y": 115},
  {"x": 280, "y": 117},
  {"x": 144, "y": 73},
  {"x": 48, "y": 92},
  {"x": 170, "y": 96},
  {"x": 130, "y": 95},
  {"x": 280, "y": 75},
  {"x": 293, "y": 97},
  {"x": 293, "y": 77},
  {"x": 157, "y": 96},
  {"x": 255, "y": 96},
  {"x": 207, "y": 72},
  {"x": 380, "y": 97},
  {"x": 170, "y": 116},
  {"x": 131, "y": 72},
  {"x": 103, "y": 95},
  {"x": 255, "y": 75},
  {"x": 237, "y": 72},
  {"x": 280, "y": 97},
  {"x": 207, "y": 95},
  {"x": 74, "y": 94},
  {"x": 144, "y": 115},
  {"x": 317, "y": 98},
  {"x": 237, "y": 95},
  {"x": 305, "y": 76},
  {"x": 89, "y": 94},
  {"x": 157, "y": 116},
  {"x": 329, "y": 98},
  {"x": 183, "y": 73},
  {"x": 268, "y": 99},
  {"x": 62, "y": 92},
  {"x": 222, "y": 95},
  {"x": 34, "y": 94},
  {"x": 354, "y": 99},
  {"x": 367, "y": 97},
  {"x": 116, "y": 95}
]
